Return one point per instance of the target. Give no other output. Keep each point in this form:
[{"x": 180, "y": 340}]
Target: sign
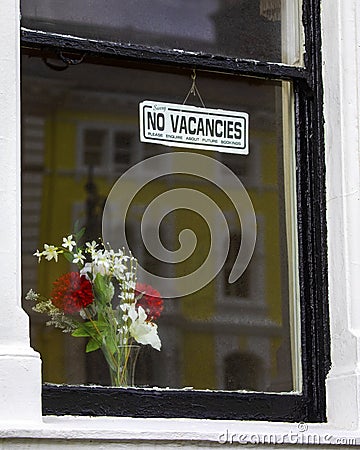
[{"x": 190, "y": 126}]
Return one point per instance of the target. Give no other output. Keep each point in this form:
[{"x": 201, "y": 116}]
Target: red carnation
[
  {"x": 149, "y": 299},
  {"x": 72, "y": 292}
]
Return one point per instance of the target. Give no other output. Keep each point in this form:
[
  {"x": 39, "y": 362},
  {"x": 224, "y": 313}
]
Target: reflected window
[
  {"x": 94, "y": 147},
  {"x": 106, "y": 148},
  {"x": 123, "y": 143}
]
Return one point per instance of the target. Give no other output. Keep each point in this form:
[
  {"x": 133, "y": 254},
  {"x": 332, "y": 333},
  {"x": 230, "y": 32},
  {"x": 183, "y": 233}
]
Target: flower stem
[{"x": 108, "y": 352}]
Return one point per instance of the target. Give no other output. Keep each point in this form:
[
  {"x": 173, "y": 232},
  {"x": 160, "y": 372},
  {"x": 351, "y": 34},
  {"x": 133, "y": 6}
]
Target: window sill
[{"x": 180, "y": 431}]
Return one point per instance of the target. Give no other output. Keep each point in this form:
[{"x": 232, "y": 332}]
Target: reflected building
[
  {"x": 225, "y": 27},
  {"x": 241, "y": 30},
  {"x": 80, "y": 134}
]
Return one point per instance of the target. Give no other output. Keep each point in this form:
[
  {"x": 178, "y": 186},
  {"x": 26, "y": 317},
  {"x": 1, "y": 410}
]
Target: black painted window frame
[{"x": 310, "y": 404}]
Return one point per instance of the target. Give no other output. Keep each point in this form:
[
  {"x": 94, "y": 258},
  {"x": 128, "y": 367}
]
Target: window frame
[{"x": 310, "y": 404}]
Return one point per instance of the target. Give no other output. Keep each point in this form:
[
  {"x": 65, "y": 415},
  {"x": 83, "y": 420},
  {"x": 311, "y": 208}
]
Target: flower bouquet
[{"x": 102, "y": 302}]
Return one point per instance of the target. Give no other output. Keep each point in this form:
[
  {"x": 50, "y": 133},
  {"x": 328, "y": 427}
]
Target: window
[
  {"x": 106, "y": 148},
  {"x": 256, "y": 339}
]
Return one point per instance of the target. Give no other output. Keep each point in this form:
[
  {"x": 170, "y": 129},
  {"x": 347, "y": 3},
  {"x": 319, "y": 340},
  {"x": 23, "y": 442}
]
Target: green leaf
[
  {"x": 103, "y": 289},
  {"x": 89, "y": 328},
  {"x": 92, "y": 345},
  {"x": 80, "y": 234},
  {"x": 80, "y": 332},
  {"x": 101, "y": 316},
  {"x": 76, "y": 226},
  {"x": 111, "y": 345},
  {"x": 69, "y": 256}
]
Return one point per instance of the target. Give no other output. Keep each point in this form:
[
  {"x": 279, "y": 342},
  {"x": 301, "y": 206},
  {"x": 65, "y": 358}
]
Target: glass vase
[{"x": 122, "y": 365}]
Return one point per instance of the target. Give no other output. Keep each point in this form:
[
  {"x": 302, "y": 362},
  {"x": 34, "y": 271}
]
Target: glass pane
[
  {"x": 266, "y": 30},
  {"x": 80, "y": 134}
]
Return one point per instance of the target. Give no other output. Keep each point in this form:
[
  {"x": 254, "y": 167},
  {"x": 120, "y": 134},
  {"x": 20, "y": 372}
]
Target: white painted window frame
[
  {"x": 108, "y": 166},
  {"x": 20, "y": 366}
]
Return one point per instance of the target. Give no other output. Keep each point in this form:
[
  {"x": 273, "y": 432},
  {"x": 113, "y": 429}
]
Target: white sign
[{"x": 189, "y": 126}]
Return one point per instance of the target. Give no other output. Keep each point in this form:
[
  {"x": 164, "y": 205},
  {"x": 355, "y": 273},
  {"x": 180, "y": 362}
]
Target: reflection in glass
[
  {"x": 80, "y": 133},
  {"x": 250, "y": 29}
]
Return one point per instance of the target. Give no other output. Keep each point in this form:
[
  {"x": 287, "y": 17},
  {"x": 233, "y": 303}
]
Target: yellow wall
[{"x": 62, "y": 189}]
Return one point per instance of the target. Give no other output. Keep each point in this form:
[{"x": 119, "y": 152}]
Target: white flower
[
  {"x": 83, "y": 314},
  {"x": 91, "y": 247},
  {"x": 119, "y": 268},
  {"x": 101, "y": 262},
  {"x": 38, "y": 254},
  {"x": 131, "y": 311},
  {"x": 86, "y": 270},
  {"x": 101, "y": 267},
  {"x": 143, "y": 332},
  {"x": 110, "y": 253},
  {"x": 78, "y": 257},
  {"x": 32, "y": 295},
  {"x": 94, "y": 269},
  {"x": 50, "y": 252},
  {"x": 69, "y": 242},
  {"x": 119, "y": 253}
]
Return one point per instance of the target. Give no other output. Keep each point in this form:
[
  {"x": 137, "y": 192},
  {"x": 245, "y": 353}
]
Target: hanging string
[{"x": 194, "y": 90}]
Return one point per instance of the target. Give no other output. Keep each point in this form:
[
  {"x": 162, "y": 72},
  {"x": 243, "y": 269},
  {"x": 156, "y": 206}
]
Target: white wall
[
  {"x": 21, "y": 425},
  {"x": 20, "y": 383},
  {"x": 341, "y": 21}
]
